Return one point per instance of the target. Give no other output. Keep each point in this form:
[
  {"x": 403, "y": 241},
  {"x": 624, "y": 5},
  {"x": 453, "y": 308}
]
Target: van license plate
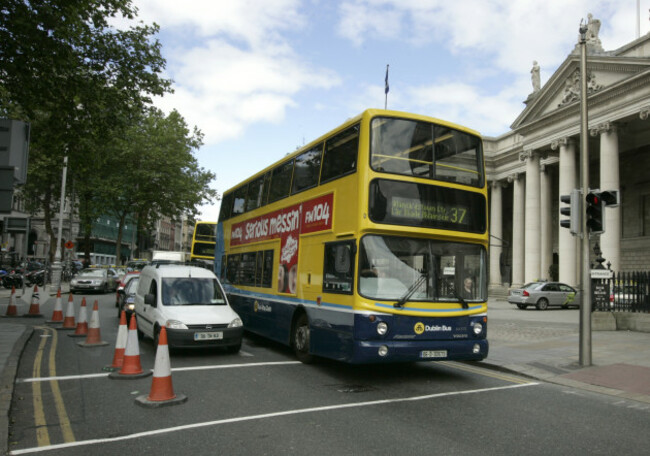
[
  {"x": 433, "y": 354},
  {"x": 208, "y": 335}
]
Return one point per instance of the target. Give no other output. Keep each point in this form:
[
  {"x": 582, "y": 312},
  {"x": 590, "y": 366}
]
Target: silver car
[
  {"x": 94, "y": 279},
  {"x": 542, "y": 295}
]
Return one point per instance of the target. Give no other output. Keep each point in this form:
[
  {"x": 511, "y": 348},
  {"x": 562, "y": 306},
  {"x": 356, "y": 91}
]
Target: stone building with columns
[{"x": 529, "y": 167}]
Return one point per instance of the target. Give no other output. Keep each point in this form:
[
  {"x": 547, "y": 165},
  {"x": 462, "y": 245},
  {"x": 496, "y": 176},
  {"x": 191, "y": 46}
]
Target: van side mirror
[{"x": 150, "y": 299}]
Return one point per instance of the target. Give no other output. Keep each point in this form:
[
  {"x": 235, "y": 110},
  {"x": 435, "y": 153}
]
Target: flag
[{"x": 386, "y": 88}]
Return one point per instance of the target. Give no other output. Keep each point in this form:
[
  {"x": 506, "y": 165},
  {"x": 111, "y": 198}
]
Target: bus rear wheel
[{"x": 300, "y": 342}]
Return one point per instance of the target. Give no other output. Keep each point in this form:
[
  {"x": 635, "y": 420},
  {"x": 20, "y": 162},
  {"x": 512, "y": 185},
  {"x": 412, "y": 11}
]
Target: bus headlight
[
  {"x": 383, "y": 351},
  {"x": 382, "y": 328},
  {"x": 476, "y": 349},
  {"x": 477, "y": 327}
]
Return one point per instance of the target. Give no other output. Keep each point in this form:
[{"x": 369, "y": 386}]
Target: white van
[{"x": 190, "y": 302}]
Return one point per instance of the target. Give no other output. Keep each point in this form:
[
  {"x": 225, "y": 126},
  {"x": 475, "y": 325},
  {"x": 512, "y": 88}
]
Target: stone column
[
  {"x": 546, "y": 223},
  {"x": 610, "y": 240},
  {"x": 496, "y": 234},
  {"x": 518, "y": 229},
  {"x": 532, "y": 238},
  {"x": 567, "y": 244}
]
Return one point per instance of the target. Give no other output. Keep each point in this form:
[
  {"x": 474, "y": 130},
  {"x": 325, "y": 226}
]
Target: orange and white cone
[
  {"x": 131, "y": 367},
  {"x": 94, "y": 337},
  {"x": 69, "y": 321},
  {"x": 162, "y": 391},
  {"x": 57, "y": 314},
  {"x": 12, "y": 310},
  {"x": 35, "y": 306},
  {"x": 120, "y": 343},
  {"x": 82, "y": 322}
]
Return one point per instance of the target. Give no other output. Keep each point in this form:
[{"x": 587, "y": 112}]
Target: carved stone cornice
[
  {"x": 498, "y": 183},
  {"x": 605, "y": 127},
  {"x": 514, "y": 177},
  {"x": 644, "y": 113},
  {"x": 531, "y": 154},
  {"x": 555, "y": 145}
]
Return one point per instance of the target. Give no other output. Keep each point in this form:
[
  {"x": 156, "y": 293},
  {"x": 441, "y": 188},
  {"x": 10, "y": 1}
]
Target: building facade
[{"x": 531, "y": 166}]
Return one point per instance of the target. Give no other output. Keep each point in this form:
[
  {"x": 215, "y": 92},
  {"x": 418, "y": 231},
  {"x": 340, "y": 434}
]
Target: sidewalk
[{"x": 539, "y": 344}]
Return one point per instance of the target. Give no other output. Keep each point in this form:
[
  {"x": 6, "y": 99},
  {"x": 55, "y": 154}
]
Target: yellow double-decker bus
[
  {"x": 366, "y": 245},
  {"x": 203, "y": 242}
]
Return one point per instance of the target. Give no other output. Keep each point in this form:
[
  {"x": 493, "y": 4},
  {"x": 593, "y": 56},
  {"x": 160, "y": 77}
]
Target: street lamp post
[
  {"x": 56, "y": 266},
  {"x": 585, "y": 278}
]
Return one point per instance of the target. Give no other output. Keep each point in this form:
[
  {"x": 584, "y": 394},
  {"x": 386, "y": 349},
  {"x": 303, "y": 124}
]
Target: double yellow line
[{"x": 42, "y": 434}]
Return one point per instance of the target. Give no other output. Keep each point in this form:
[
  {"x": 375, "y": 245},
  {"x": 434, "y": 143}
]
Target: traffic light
[
  {"x": 611, "y": 198},
  {"x": 594, "y": 212},
  {"x": 573, "y": 211}
]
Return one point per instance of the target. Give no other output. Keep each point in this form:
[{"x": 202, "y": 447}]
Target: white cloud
[{"x": 240, "y": 70}]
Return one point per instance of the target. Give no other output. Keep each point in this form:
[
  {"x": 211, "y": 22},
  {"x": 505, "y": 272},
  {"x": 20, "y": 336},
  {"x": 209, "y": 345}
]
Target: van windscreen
[{"x": 191, "y": 291}]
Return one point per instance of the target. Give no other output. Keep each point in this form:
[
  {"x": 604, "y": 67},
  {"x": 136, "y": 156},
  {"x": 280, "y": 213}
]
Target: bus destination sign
[{"x": 411, "y": 208}]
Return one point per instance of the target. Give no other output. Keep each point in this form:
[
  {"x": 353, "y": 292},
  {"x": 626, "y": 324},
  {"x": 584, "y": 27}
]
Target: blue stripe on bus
[{"x": 283, "y": 299}]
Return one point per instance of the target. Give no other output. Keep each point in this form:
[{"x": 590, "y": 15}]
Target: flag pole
[{"x": 386, "y": 88}]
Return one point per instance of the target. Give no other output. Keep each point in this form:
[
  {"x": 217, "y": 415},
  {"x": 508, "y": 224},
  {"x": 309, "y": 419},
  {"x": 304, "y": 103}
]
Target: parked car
[
  {"x": 190, "y": 303},
  {"x": 126, "y": 298},
  {"x": 94, "y": 279},
  {"x": 542, "y": 295}
]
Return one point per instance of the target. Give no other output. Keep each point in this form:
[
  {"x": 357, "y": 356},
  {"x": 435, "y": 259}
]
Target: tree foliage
[{"x": 84, "y": 85}]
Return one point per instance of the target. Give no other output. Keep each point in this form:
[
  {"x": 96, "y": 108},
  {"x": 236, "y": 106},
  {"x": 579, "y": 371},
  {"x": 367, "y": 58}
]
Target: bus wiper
[
  {"x": 414, "y": 286},
  {"x": 462, "y": 301}
]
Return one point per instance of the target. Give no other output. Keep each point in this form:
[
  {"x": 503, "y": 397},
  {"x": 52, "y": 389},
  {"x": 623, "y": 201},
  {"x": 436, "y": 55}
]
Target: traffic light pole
[{"x": 585, "y": 276}]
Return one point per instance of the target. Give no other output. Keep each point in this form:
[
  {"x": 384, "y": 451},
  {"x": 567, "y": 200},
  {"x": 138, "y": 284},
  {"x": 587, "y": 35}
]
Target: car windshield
[
  {"x": 405, "y": 269},
  {"x": 191, "y": 291},
  {"x": 92, "y": 273},
  {"x": 131, "y": 286}
]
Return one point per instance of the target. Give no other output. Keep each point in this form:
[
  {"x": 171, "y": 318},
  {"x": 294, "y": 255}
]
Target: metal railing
[{"x": 628, "y": 292}]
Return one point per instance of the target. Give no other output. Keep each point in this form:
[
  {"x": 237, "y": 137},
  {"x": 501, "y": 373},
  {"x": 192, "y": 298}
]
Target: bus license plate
[
  {"x": 433, "y": 354},
  {"x": 208, "y": 335}
]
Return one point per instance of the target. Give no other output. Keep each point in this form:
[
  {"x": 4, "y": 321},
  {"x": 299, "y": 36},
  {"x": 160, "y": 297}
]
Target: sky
[{"x": 260, "y": 78}]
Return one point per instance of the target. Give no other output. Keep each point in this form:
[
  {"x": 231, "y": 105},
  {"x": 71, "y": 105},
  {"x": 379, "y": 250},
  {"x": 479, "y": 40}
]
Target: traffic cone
[
  {"x": 162, "y": 391},
  {"x": 131, "y": 367},
  {"x": 82, "y": 323},
  {"x": 34, "y": 307},
  {"x": 120, "y": 344},
  {"x": 94, "y": 337},
  {"x": 69, "y": 321},
  {"x": 12, "y": 311},
  {"x": 57, "y": 314}
]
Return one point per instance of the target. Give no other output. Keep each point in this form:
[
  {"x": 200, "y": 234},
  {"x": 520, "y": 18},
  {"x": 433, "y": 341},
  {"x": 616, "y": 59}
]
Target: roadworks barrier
[
  {"x": 12, "y": 310},
  {"x": 69, "y": 320},
  {"x": 162, "y": 390},
  {"x": 120, "y": 344},
  {"x": 82, "y": 322},
  {"x": 131, "y": 366},
  {"x": 57, "y": 313},
  {"x": 35, "y": 306},
  {"x": 94, "y": 336}
]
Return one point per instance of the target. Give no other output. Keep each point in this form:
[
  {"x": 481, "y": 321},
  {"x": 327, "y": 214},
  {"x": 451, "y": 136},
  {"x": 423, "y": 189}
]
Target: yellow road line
[
  {"x": 64, "y": 421},
  {"x": 42, "y": 434}
]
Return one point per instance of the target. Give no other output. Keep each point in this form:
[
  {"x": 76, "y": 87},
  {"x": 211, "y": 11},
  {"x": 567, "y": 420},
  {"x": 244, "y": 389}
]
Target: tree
[
  {"x": 80, "y": 82},
  {"x": 159, "y": 175}
]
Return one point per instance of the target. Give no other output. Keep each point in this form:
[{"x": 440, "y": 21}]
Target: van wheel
[
  {"x": 156, "y": 337},
  {"x": 301, "y": 337}
]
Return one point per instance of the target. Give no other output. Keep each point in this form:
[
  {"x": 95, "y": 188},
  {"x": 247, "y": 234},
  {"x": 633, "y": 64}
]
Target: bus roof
[{"x": 368, "y": 113}]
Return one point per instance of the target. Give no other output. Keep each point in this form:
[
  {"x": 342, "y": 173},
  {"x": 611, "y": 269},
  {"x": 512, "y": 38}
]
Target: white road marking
[{"x": 261, "y": 417}]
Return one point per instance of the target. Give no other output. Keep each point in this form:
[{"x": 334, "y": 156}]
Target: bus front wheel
[{"x": 301, "y": 340}]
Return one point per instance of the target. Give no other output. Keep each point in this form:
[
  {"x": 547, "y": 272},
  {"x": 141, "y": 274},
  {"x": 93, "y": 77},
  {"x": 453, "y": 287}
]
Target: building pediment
[{"x": 604, "y": 70}]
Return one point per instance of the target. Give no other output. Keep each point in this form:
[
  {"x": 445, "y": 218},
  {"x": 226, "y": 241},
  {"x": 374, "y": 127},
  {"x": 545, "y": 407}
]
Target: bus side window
[
  {"x": 340, "y": 154},
  {"x": 281, "y": 181},
  {"x": 338, "y": 270}
]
